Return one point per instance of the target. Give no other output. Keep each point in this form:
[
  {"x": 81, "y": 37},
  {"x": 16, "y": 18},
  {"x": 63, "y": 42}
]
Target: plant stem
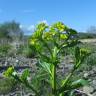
[
  {"x": 26, "y": 84},
  {"x": 65, "y": 82},
  {"x": 31, "y": 87},
  {"x": 54, "y": 80}
]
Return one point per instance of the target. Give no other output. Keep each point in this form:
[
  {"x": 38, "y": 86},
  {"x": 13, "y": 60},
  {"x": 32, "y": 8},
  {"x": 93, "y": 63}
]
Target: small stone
[
  {"x": 17, "y": 61},
  {"x": 94, "y": 82},
  {"x": 88, "y": 89},
  {"x": 86, "y": 75}
]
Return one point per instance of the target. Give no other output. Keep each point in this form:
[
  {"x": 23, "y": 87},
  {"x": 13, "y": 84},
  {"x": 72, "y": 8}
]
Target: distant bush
[
  {"x": 4, "y": 49},
  {"x": 28, "y": 52},
  {"x": 86, "y": 35},
  {"x": 20, "y": 49}
]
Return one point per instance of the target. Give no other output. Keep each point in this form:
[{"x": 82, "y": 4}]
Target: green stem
[
  {"x": 31, "y": 87},
  {"x": 54, "y": 80},
  {"x": 26, "y": 84},
  {"x": 67, "y": 79},
  {"x": 64, "y": 83}
]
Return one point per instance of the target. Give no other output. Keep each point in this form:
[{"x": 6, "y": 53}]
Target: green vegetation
[
  {"x": 28, "y": 52},
  {"x": 10, "y": 31},
  {"x": 90, "y": 60},
  {"x": 7, "y": 85},
  {"x": 4, "y": 49},
  {"x": 48, "y": 43},
  {"x": 83, "y": 35}
]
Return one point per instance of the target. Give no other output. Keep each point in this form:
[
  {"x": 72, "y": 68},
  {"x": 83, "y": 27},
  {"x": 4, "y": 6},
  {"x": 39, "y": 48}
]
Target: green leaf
[
  {"x": 9, "y": 72},
  {"x": 25, "y": 74},
  {"x": 77, "y": 54},
  {"x": 72, "y": 31},
  {"x": 79, "y": 83},
  {"x": 46, "y": 66},
  {"x": 63, "y": 36},
  {"x": 44, "y": 58},
  {"x": 73, "y": 85},
  {"x": 71, "y": 93}
]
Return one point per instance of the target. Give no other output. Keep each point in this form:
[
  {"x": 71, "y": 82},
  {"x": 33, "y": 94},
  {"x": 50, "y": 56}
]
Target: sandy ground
[{"x": 88, "y": 40}]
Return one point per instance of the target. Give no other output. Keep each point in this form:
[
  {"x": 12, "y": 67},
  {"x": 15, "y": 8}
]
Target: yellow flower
[
  {"x": 33, "y": 41},
  {"x": 60, "y": 26}
]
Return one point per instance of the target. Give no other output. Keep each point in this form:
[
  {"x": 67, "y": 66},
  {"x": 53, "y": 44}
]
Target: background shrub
[{"x": 7, "y": 85}]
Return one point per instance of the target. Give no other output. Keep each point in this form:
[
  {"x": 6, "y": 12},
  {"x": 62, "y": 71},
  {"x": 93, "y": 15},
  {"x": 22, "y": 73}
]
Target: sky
[{"x": 78, "y": 14}]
